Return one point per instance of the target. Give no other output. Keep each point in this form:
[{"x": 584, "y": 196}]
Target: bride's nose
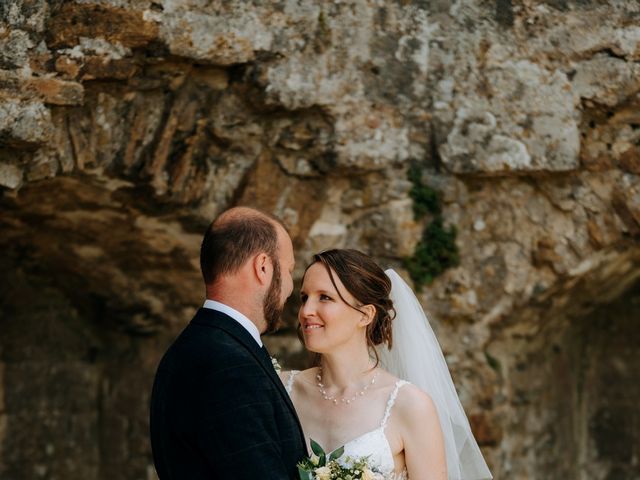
[{"x": 307, "y": 309}]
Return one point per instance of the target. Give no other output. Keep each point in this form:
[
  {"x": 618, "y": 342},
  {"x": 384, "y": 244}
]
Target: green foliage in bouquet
[{"x": 320, "y": 466}]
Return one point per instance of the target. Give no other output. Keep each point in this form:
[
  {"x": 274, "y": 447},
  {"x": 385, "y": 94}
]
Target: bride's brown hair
[{"x": 366, "y": 281}]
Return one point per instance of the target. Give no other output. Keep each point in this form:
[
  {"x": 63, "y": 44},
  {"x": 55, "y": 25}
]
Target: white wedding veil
[{"x": 417, "y": 357}]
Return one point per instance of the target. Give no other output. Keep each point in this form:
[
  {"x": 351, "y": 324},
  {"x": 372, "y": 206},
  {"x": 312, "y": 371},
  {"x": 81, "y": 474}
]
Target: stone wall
[
  {"x": 125, "y": 126},
  {"x": 75, "y": 387},
  {"x": 570, "y": 382}
]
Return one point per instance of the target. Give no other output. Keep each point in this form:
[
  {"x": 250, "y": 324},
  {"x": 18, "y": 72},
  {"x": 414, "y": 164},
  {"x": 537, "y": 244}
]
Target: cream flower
[
  {"x": 323, "y": 473},
  {"x": 314, "y": 459}
]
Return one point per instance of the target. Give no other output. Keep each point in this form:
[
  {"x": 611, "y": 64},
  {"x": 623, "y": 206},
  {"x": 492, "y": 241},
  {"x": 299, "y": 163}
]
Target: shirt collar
[{"x": 237, "y": 316}]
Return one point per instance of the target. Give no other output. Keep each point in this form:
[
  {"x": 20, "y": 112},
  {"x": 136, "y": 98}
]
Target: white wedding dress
[{"x": 374, "y": 443}]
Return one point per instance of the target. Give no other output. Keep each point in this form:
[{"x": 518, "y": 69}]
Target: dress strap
[
  {"x": 390, "y": 402},
  {"x": 292, "y": 376}
]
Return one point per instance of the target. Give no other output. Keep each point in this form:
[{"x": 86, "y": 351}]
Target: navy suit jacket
[{"x": 219, "y": 410}]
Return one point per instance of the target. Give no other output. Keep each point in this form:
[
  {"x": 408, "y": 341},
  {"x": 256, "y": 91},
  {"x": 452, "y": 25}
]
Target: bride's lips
[{"x": 310, "y": 326}]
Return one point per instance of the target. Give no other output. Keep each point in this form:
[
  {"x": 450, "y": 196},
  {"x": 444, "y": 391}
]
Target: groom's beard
[{"x": 271, "y": 306}]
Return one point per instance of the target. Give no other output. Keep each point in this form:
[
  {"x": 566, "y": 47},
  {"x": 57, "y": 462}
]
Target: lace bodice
[{"x": 374, "y": 443}]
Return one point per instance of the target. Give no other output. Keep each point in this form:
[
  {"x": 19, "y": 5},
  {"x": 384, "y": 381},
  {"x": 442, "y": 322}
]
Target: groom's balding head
[{"x": 234, "y": 237}]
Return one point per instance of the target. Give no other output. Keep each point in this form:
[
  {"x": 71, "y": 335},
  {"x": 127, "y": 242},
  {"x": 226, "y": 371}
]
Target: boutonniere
[{"x": 276, "y": 365}]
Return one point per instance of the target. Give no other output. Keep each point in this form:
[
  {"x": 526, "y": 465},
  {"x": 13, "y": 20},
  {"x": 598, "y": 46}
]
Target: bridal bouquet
[{"x": 320, "y": 467}]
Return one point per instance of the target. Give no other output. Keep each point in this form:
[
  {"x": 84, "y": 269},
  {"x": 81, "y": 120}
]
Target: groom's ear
[
  {"x": 262, "y": 268},
  {"x": 368, "y": 316}
]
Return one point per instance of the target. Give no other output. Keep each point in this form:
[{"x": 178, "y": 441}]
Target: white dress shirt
[{"x": 237, "y": 316}]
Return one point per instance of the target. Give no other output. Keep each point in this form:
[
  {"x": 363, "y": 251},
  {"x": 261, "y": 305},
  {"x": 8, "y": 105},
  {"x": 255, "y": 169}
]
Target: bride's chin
[
  {"x": 313, "y": 348},
  {"x": 310, "y": 346}
]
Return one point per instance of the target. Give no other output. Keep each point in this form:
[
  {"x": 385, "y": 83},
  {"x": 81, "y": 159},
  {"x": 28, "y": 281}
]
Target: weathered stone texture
[
  {"x": 24, "y": 123},
  {"x": 126, "y": 126},
  {"x": 113, "y": 27},
  {"x": 574, "y": 375}
]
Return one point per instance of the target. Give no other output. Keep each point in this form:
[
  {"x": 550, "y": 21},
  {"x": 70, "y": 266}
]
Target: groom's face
[{"x": 281, "y": 283}]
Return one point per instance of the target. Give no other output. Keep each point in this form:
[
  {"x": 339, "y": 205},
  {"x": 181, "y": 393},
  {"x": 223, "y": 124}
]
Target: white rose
[
  {"x": 314, "y": 459},
  {"x": 323, "y": 473},
  {"x": 367, "y": 474}
]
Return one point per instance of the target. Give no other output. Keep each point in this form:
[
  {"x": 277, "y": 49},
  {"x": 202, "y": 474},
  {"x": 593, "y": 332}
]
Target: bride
[{"x": 380, "y": 387}]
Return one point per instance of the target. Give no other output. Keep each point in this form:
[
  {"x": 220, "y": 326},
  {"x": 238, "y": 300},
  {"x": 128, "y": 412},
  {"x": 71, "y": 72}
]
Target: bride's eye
[
  {"x": 303, "y": 298},
  {"x": 325, "y": 297}
]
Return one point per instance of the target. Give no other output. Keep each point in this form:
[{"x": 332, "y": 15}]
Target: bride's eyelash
[{"x": 303, "y": 298}]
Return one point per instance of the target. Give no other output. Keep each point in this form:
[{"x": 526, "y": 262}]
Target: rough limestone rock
[{"x": 126, "y": 126}]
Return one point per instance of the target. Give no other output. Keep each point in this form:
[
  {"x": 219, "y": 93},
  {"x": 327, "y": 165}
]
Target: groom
[{"x": 218, "y": 408}]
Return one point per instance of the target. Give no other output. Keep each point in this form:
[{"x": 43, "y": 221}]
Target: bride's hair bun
[
  {"x": 368, "y": 283},
  {"x": 381, "y": 326}
]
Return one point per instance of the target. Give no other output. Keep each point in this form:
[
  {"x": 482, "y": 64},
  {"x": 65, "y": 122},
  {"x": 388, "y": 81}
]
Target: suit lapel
[{"x": 222, "y": 321}]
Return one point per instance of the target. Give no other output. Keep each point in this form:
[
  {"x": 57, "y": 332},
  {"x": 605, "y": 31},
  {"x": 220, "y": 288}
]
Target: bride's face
[{"x": 327, "y": 322}]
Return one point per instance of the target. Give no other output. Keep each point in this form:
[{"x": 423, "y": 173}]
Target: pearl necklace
[{"x": 344, "y": 401}]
